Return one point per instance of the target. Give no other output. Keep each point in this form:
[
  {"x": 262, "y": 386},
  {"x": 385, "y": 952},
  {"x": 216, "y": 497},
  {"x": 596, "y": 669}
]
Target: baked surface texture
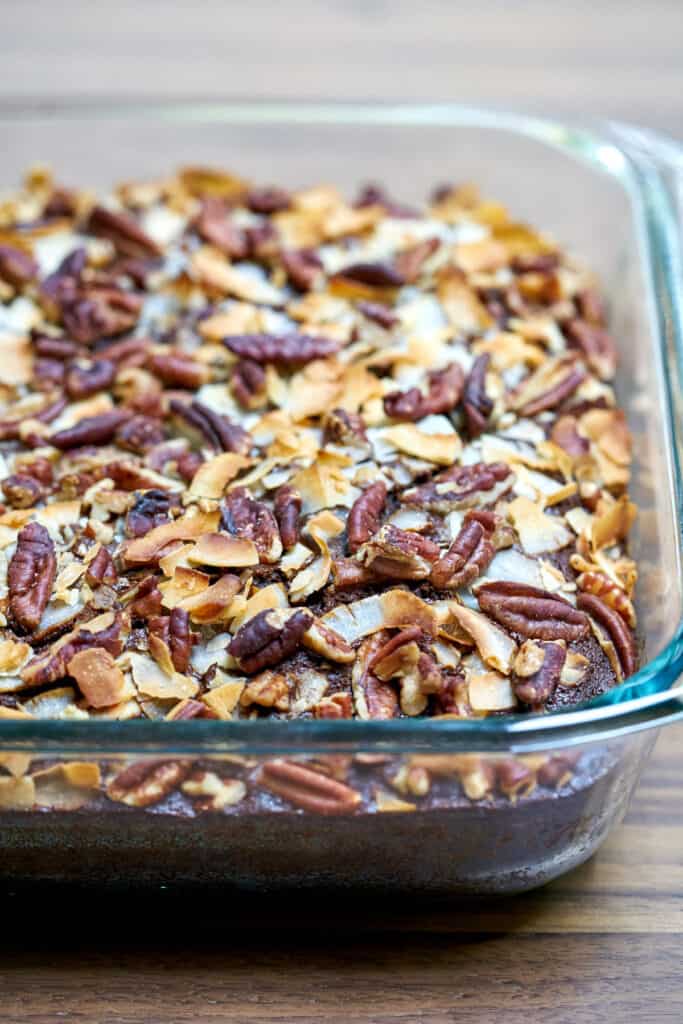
[{"x": 273, "y": 453}]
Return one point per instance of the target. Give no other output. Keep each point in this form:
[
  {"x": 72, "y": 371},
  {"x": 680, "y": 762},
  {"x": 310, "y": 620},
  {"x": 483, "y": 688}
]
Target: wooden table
[{"x": 604, "y": 943}]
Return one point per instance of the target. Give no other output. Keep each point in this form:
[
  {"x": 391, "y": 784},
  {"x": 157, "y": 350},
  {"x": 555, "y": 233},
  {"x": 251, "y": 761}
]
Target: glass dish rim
[{"x": 637, "y": 158}]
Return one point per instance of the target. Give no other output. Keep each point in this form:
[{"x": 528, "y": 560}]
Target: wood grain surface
[{"x": 600, "y": 946}]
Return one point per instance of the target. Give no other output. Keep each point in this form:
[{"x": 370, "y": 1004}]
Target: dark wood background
[{"x": 602, "y": 944}]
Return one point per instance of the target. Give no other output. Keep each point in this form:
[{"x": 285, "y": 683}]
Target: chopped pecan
[
  {"x": 514, "y": 778},
  {"x": 379, "y": 314},
  {"x": 284, "y": 350},
  {"x": 31, "y": 575},
  {"x": 178, "y": 370},
  {"x": 619, "y": 633},
  {"x": 558, "y": 769},
  {"x": 476, "y": 403},
  {"x": 345, "y": 428},
  {"x": 268, "y": 200},
  {"x": 40, "y": 469},
  {"x": 221, "y": 433},
  {"x": 398, "y": 554},
  {"x": 405, "y": 636},
  {"x": 10, "y": 429},
  {"x": 101, "y": 569},
  {"x": 594, "y": 582},
  {"x": 374, "y": 698},
  {"x": 376, "y": 275},
  {"x": 21, "y": 490},
  {"x": 597, "y": 346},
  {"x": 147, "y": 782},
  {"x": 535, "y": 684},
  {"x": 561, "y": 386},
  {"x": 129, "y": 352},
  {"x": 123, "y": 231},
  {"x": 48, "y": 374},
  {"x": 564, "y": 433},
  {"x": 339, "y": 705},
  {"x": 151, "y": 508},
  {"x": 532, "y": 612},
  {"x": 268, "y": 638},
  {"x": 302, "y": 266},
  {"x": 215, "y": 226},
  {"x": 469, "y": 554},
  {"x": 444, "y": 392},
  {"x": 92, "y": 430},
  {"x": 481, "y": 483},
  {"x": 365, "y": 514},
  {"x": 92, "y": 312},
  {"x": 263, "y": 241},
  {"x": 83, "y": 381},
  {"x": 252, "y": 520},
  {"x": 62, "y": 349},
  {"x": 214, "y": 793},
  {"x": 348, "y": 574},
  {"x": 268, "y": 690},
  {"x": 174, "y": 631},
  {"x": 409, "y": 262},
  {"x": 287, "y": 510},
  {"x": 453, "y": 696},
  {"x": 147, "y": 600},
  {"x": 51, "y": 665},
  {"x": 249, "y": 383},
  {"x": 139, "y": 434},
  {"x": 188, "y": 463},
  {"x": 16, "y": 266},
  {"x": 307, "y": 789}
]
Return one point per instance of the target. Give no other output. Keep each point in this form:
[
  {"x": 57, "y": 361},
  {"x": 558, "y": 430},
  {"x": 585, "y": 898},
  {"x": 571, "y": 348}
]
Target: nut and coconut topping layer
[{"x": 272, "y": 453}]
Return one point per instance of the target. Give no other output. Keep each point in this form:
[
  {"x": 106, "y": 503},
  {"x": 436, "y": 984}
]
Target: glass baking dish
[{"x": 612, "y": 195}]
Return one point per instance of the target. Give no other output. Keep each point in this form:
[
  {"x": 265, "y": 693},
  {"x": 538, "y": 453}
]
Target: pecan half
[
  {"x": 93, "y": 312},
  {"x": 476, "y": 403},
  {"x": 376, "y": 275},
  {"x": 221, "y": 433},
  {"x": 469, "y": 554},
  {"x": 56, "y": 348},
  {"x": 174, "y": 631},
  {"x": 609, "y": 592},
  {"x": 31, "y": 575},
  {"x": 374, "y": 698},
  {"x": 123, "y": 231},
  {"x": 561, "y": 387},
  {"x": 308, "y": 789},
  {"x": 398, "y": 554},
  {"x": 302, "y": 266},
  {"x": 16, "y": 266},
  {"x": 348, "y": 573},
  {"x": 365, "y": 514},
  {"x": 215, "y": 226},
  {"x": 92, "y": 430},
  {"x": 597, "y": 346},
  {"x": 284, "y": 350},
  {"x": 178, "y": 370},
  {"x": 21, "y": 490},
  {"x": 339, "y": 705},
  {"x": 268, "y": 638},
  {"x": 481, "y": 483},
  {"x": 147, "y": 782},
  {"x": 444, "y": 392},
  {"x": 249, "y": 383},
  {"x": 378, "y": 313},
  {"x": 532, "y": 612},
  {"x": 252, "y": 520},
  {"x": 536, "y": 685},
  {"x": 287, "y": 508},
  {"x": 619, "y": 633},
  {"x": 83, "y": 381}
]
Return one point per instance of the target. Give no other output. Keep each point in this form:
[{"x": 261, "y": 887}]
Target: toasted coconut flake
[
  {"x": 183, "y": 584},
  {"x": 311, "y": 687},
  {"x": 296, "y": 559},
  {"x": 614, "y": 524},
  {"x": 537, "y": 531},
  {"x": 272, "y": 596},
  {"x": 490, "y": 692},
  {"x": 66, "y": 786},
  {"x": 212, "y": 270},
  {"x": 381, "y": 611},
  {"x": 574, "y": 669},
  {"x": 240, "y": 318},
  {"x": 224, "y": 699},
  {"x": 321, "y": 528},
  {"x": 214, "y": 603},
  {"x": 512, "y": 565},
  {"x": 486, "y": 255},
  {"x": 461, "y": 304},
  {"x": 187, "y": 527},
  {"x": 13, "y": 656},
  {"x": 442, "y": 449},
  {"x": 224, "y": 551},
  {"x": 494, "y": 645},
  {"x": 215, "y": 474},
  {"x": 17, "y": 794},
  {"x": 323, "y": 485},
  {"x": 152, "y": 681},
  {"x": 388, "y": 804},
  {"x": 99, "y": 678}
]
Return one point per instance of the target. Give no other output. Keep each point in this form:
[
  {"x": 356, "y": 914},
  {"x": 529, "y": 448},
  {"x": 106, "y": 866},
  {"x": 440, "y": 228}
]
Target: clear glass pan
[{"x": 612, "y": 194}]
